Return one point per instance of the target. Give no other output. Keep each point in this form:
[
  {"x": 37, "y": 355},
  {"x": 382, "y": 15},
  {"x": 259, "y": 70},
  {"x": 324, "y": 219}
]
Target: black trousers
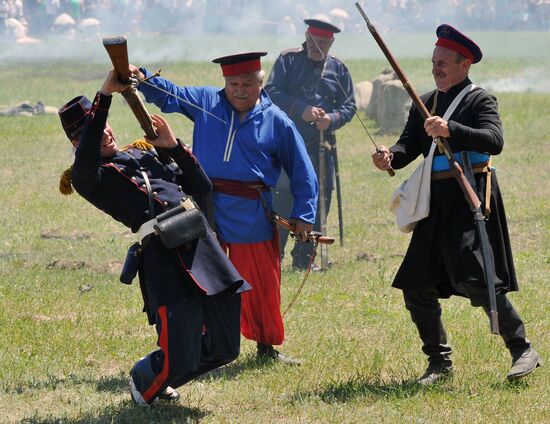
[
  {"x": 425, "y": 311},
  {"x": 195, "y": 336}
]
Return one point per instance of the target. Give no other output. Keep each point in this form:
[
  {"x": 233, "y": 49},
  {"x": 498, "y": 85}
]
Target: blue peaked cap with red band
[
  {"x": 452, "y": 39},
  {"x": 73, "y": 115}
]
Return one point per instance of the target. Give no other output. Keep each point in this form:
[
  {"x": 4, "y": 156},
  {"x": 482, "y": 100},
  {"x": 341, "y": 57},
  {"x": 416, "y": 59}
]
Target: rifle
[
  {"x": 488, "y": 262},
  {"x": 312, "y": 237},
  {"x": 322, "y": 198},
  {"x": 442, "y": 144},
  {"x": 118, "y": 52},
  {"x": 467, "y": 187},
  {"x": 334, "y": 153}
]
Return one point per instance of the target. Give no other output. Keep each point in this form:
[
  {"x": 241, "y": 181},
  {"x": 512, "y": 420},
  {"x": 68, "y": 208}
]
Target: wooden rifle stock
[
  {"x": 442, "y": 144},
  {"x": 313, "y": 236},
  {"x": 118, "y": 52}
]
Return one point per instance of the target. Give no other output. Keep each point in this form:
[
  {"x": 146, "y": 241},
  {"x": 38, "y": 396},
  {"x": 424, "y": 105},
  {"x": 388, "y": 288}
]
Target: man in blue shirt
[{"x": 242, "y": 141}]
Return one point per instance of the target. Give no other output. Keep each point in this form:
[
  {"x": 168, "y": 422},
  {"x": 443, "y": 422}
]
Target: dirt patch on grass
[
  {"x": 46, "y": 318},
  {"x": 56, "y": 234},
  {"x": 65, "y": 264},
  {"x": 113, "y": 267}
]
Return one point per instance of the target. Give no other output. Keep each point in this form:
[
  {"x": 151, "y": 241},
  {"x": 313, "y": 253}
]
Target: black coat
[
  {"x": 116, "y": 186},
  {"x": 444, "y": 247}
]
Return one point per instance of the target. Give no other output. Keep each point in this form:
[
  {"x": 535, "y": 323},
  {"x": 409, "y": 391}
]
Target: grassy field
[{"x": 69, "y": 332}]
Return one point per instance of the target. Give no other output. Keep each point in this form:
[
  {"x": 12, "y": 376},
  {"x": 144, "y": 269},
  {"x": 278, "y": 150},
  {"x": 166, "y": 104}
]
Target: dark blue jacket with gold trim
[{"x": 116, "y": 185}]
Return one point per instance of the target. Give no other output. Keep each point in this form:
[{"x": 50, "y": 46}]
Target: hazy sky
[{"x": 220, "y": 29}]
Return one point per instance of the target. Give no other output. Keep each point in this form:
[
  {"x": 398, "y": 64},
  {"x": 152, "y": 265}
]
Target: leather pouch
[{"x": 177, "y": 227}]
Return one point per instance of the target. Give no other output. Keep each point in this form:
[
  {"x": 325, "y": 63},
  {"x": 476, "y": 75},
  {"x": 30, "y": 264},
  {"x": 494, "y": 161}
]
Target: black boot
[
  {"x": 434, "y": 339},
  {"x": 524, "y": 358},
  {"x": 267, "y": 352},
  {"x": 169, "y": 394}
]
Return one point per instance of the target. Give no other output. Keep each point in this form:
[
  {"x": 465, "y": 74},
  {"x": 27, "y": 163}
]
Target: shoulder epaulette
[
  {"x": 65, "y": 182},
  {"x": 291, "y": 50},
  {"x": 336, "y": 59},
  {"x": 140, "y": 144}
]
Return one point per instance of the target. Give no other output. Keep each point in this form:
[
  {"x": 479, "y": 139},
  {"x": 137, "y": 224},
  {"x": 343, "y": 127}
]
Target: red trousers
[{"x": 260, "y": 265}]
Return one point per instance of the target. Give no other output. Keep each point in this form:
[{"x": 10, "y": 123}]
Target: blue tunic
[
  {"x": 249, "y": 151},
  {"x": 296, "y": 82}
]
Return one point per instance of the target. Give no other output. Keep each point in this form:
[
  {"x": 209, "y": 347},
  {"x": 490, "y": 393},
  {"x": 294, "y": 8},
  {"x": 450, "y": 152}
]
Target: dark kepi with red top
[
  {"x": 73, "y": 115},
  {"x": 452, "y": 39},
  {"x": 241, "y": 63},
  {"x": 320, "y": 28}
]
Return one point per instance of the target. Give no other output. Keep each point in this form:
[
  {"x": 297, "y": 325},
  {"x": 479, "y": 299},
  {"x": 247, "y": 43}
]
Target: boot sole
[{"x": 516, "y": 377}]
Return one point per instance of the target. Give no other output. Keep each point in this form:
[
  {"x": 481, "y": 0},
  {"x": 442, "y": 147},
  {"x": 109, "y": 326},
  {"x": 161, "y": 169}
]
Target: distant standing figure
[{"x": 316, "y": 91}]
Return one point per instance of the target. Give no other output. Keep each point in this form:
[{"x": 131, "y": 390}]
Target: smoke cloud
[{"x": 199, "y": 30}]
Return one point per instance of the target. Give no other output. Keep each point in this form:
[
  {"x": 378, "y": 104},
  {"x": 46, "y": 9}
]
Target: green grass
[{"x": 70, "y": 332}]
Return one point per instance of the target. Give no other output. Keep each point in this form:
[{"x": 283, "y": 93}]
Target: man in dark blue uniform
[
  {"x": 444, "y": 256},
  {"x": 191, "y": 291},
  {"x": 316, "y": 91}
]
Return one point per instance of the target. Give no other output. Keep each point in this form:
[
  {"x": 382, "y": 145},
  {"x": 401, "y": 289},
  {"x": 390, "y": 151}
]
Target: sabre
[
  {"x": 162, "y": 90},
  {"x": 488, "y": 262},
  {"x": 312, "y": 236},
  {"x": 334, "y": 152}
]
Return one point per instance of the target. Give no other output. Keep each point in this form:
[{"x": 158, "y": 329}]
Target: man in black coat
[
  {"x": 191, "y": 291},
  {"x": 315, "y": 90},
  {"x": 444, "y": 256}
]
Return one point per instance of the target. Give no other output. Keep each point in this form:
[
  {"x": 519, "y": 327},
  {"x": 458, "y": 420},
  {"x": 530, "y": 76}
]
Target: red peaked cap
[
  {"x": 452, "y": 39},
  {"x": 241, "y": 63},
  {"x": 320, "y": 28}
]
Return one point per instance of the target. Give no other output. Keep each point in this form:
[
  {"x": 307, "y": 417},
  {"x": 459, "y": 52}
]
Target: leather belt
[
  {"x": 480, "y": 168},
  {"x": 249, "y": 190}
]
